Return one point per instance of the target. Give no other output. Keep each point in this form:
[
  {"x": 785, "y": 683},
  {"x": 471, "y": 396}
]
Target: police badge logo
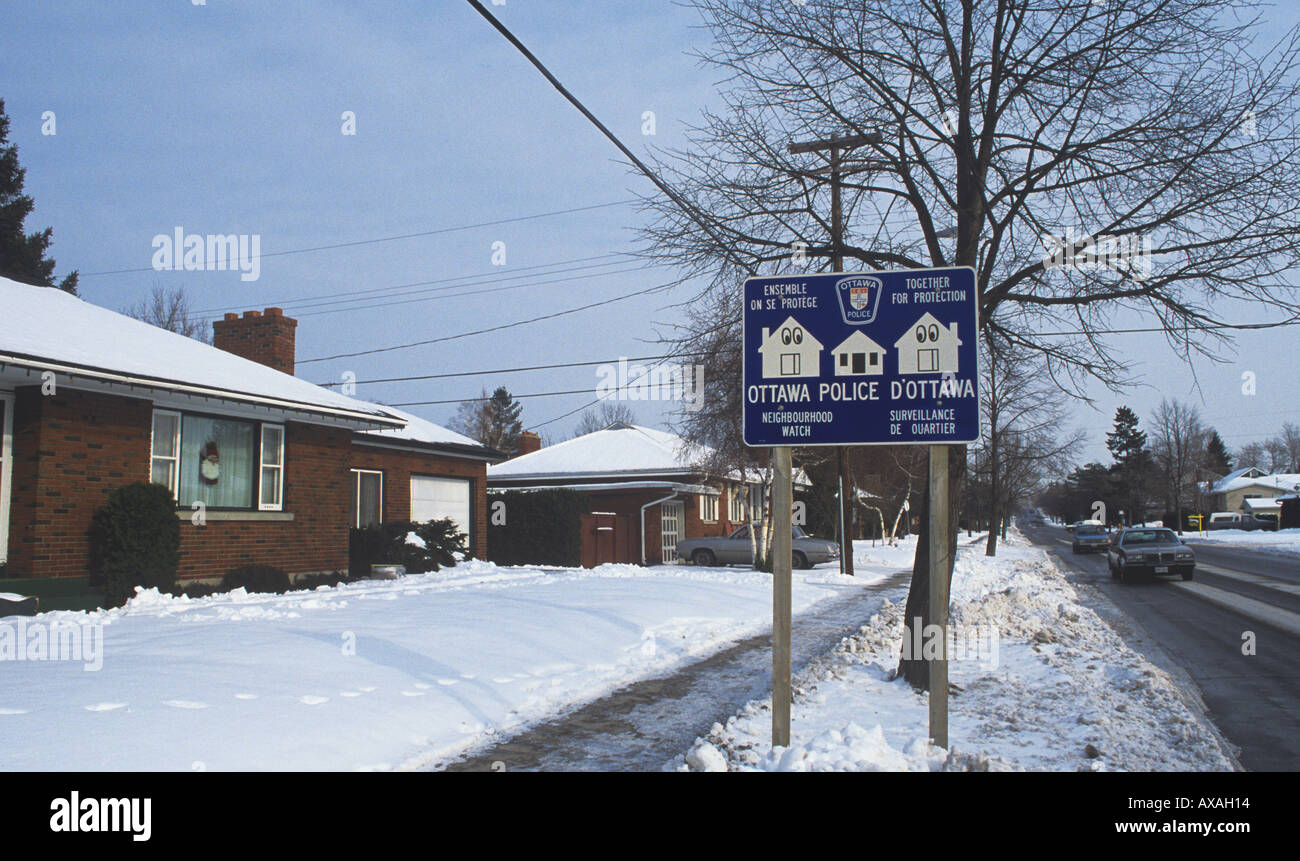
[{"x": 859, "y": 296}]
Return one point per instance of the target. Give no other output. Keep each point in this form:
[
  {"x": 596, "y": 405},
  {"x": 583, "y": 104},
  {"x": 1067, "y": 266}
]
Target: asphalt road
[{"x": 1197, "y": 628}]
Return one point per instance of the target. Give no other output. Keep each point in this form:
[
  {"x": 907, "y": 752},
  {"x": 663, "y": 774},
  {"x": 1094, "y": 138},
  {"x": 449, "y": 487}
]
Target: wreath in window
[{"x": 210, "y": 463}]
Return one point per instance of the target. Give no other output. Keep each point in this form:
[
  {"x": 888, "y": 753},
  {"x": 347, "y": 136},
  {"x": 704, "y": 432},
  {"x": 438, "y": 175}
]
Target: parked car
[
  {"x": 1236, "y": 520},
  {"x": 1137, "y": 550},
  {"x": 1089, "y": 538},
  {"x": 735, "y": 549}
]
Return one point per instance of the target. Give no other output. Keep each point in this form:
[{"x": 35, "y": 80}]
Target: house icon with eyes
[
  {"x": 858, "y": 356},
  {"x": 928, "y": 347},
  {"x": 790, "y": 351}
]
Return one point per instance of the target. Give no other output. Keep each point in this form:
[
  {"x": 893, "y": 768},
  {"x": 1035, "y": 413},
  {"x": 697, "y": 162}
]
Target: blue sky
[{"x": 226, "y": 118}]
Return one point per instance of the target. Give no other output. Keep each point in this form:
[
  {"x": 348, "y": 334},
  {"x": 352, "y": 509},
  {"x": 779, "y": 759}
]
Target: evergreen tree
[
  {"x": 1217, "y": 458},
  {"x": 493, "y": 421},
  {"x": 22, "y": 254},
  {"x": 1126, "y": 440}
]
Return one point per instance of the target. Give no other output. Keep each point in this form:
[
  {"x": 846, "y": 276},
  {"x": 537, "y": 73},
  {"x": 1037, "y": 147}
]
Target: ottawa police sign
[{"x": 861, "y": 358}]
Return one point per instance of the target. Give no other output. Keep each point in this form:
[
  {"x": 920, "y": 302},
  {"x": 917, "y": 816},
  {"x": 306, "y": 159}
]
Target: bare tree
[
  {"x": 170, "y": 310},
  {"x": 1290, "y": 439},
  {"x": 1252, "y": 454},
  {"x": 607, "y": 413},
  {"x": 1022, "y": 437},
  {"x": 1004, "y": 124},
  {"x": 1178, "y": 444}
]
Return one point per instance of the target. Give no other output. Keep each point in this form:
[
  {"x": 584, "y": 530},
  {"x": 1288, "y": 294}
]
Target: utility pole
[
  {"x": 782, "y": 539},
  {"x": 940, "y": 551},
  {"x": 836, "y": 145}
]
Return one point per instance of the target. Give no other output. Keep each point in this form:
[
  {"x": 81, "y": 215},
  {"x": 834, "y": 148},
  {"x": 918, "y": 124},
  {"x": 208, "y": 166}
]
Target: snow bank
[
  {"x": 1283, "y": 541},
  {"x": 1062, "y": 692},
  {"x": 388, "y": 674}
]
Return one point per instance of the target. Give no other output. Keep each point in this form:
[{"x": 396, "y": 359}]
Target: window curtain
[{"x": 218, "y": 462}]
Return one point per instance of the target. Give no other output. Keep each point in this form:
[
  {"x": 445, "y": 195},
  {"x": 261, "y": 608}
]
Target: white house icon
[
  {"x": 928, "y": 347},
  {"x": 790, "y": 351},
  {"x": 858, "y": 356}
]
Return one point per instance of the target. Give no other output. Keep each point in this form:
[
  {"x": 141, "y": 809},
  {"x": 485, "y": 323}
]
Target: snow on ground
[
  {"x": 1282, "y": 541},
  {"x": 371, "y": 675},
  {"x": 1061, "y": 692}
]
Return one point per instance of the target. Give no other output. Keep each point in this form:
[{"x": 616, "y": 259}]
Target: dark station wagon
[{"x": 1145, "y": 551}]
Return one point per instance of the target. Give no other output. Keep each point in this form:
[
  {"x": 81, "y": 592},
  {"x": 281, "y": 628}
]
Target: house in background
[
  {"x": 645, "y": 487},
  {"x": 91, "y": 400},
  {"x": 1251, "y": 490}
]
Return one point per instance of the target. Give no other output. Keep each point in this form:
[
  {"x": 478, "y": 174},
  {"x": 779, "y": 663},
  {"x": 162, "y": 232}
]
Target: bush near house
[
  {"x": 255, "y": 578},
  {"x": 439, "y": 543},
  {"x": 135, "y": 540},
  {"x": 542, "y": 527}
]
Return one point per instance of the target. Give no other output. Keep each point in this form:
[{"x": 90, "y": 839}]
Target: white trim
[
  {"x": 6, "y": 472},
  {"x": 176, "y": 447},
  {"x": 262, "y": 466},
  {"x": 356, "y": 494}
]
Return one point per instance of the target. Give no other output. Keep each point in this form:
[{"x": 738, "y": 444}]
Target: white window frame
[
  {"x": 262, "y": 466},
  {"x": 6, "y": 471},
  {"x": 356, "y": 494},
  {"x": 705, "y": 500},
  {"x": 176, "y": 448}
]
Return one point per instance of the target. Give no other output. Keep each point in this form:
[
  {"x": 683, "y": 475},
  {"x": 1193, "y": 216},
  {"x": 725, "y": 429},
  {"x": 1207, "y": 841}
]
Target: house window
[
  {"x": 222, "y": 463},
  {"x": 737, "y": 504},
  {"x": 272, "y": 468},
  {"x": 367, "y": 498},
  {"x": 165, "y": 464},
  {"x": 927, "y": 361},
  {"x": 708, "y": 508},
  {"x": 790, "y": 364}
]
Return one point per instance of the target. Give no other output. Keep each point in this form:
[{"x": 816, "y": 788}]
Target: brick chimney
[
  {"x": 264, "y": 337},
  {"x": 529, "y": 442}
]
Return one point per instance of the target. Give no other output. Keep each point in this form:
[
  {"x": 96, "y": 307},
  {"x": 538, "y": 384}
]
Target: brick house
[
  {"x": 646, "y": 489},
  {"x": 91, "y": 400}
]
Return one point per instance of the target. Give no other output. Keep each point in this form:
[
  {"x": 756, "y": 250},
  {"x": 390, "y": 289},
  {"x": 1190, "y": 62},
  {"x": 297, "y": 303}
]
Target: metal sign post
[
  {"x": 782, "y": 538},
  {"x": 940, "y": 550}
]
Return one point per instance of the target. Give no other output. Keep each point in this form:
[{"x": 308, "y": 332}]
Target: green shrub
[
  {"x": 135, "y": 541},
  {"x": 386, "y": 544},
  {"x": 543, "y": 527},
  {"x": 328, "y": 578},
  {"x": 255, "y": 578}
]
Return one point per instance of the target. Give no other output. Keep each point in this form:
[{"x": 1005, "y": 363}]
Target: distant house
[
  {"x": 857, "y": 356},
  {"x": 646, "y": 488},
  {"x": 790, "y": 351},
  {"x": 1250, "y": 490},
  {"x": 91, "y": 400},
  {"x": 928, "y": 347}
]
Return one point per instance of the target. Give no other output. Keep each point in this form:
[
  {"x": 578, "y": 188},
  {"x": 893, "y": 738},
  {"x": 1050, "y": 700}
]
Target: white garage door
[{"x": 438, "y": 498}]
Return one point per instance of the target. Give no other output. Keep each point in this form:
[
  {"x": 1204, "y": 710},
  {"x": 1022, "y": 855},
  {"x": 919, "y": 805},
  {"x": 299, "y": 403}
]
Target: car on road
[
  {"x": 735, "y": 549},
  {"x": 1146, "y": 551},
  {"x": 1090, "y": 538}
]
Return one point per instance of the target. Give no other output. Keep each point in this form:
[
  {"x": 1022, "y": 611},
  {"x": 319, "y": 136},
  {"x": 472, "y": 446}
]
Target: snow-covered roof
[
  {"x": 1279, "y": 481},
  {"x": 1245, "y": 472},
  {"x": 420, "y": 430},
  {"x": 1271, "y": 503},
  {"x": 619, "y": 449},
  {"x": 44, "y": 328}
]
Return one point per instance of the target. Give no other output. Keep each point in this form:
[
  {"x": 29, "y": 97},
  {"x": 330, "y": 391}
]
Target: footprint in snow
[
  {"x": 245, "y": 696},
  {"x": 312, "y": 700},
  {"x": 503, "y": 680},
  {"x": 467, "y": 676},
  {"x": 185, "y": 704},
  {"x": 13, "y": 711},
  {"x": 412, "y": 693},
  {"x": 105, "y": 707},
  {"x": 425, "y": 686},
  {"x": 349, "y": 693},
  {"x": 367, "y": 689},
  {"x": 448, "y": 682}
]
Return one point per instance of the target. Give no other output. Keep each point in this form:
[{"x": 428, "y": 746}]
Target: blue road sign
[{"x": 862, "y": 358}]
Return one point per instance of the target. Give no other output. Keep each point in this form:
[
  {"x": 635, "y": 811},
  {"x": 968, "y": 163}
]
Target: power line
[
  {"x": 511, "y": 325},
  {"x": 436, "y": 232},
  {"x": 515, "y": 370},
  {"x": 303, "y": 300},
  {"x": 463, "y": 400}
]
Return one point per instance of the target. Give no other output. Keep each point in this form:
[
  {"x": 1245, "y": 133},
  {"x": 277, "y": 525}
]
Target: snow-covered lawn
[
  {"x": 374, "y": 675},
  {"x": 1282, "y": 541},
  {"x": 1063, "y": 693}
]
